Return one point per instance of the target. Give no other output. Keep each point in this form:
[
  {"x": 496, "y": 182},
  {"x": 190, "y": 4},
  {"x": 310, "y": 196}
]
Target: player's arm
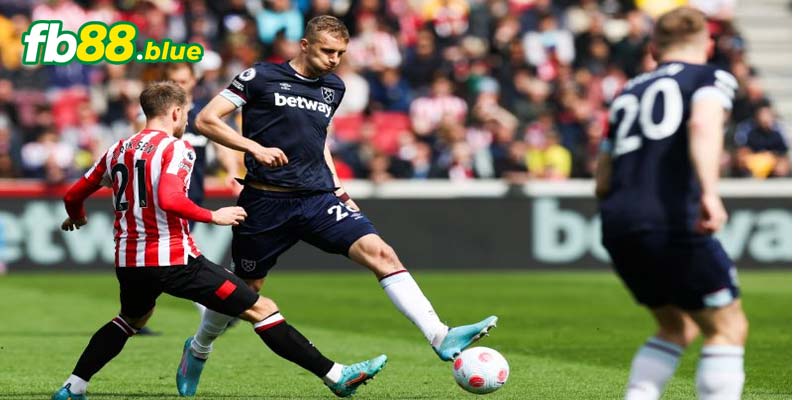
[
  {"x": 340, "y": 192},
  {"x": 73, "y": 202},
  {"x": 172, "y": 193},
  {"x": 77, "y": 194},
  {"x": 211, "y": 124},
  {"x": 603, "y": 173},
  {"x": 706, "y": 133}
]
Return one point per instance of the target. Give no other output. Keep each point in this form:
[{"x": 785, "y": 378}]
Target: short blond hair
[
  {"x": 157, "y": 98},
  {"x": 678, "y": 27},
  {"x": 328, "y": 24}
]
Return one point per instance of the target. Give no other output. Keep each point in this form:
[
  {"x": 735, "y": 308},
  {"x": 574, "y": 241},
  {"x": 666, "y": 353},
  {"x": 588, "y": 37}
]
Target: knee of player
[
  {"x": 138, "y": 322},
  {"x": 682, "y": 336},
  {"x": 388, "y": 257},
  {"x": 739, "y": 329},
  {"x": 734, "y": 326},
  {"x": 689, "y": 333},
  {"x": 264, "y": 307}
]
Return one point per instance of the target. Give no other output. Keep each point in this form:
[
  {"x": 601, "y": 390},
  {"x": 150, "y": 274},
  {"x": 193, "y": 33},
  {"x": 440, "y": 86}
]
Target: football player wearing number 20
[{"x": 657, "y": 182}]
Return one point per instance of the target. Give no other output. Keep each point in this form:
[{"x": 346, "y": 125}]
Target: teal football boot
[
  {"x": 65, "y": 394},
  {"x": 356, "y": 374},
  {"x": 189, "y": 370},
  {"x": 461, "y": 337}
]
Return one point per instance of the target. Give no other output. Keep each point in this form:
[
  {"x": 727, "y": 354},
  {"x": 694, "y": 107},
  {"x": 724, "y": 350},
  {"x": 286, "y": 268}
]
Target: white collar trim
[{"x": 304, "y": 78}]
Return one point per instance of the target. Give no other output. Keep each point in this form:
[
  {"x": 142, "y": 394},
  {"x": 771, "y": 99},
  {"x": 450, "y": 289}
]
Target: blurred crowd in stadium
[{"x": 453, "y": 89}]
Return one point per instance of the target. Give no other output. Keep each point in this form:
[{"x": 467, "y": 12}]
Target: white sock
[
  {"x": 211, "y": 326},
  {"x": 200, "y": 308},
  {"x": 334, "y": 374},
  {"x": 76, "y": 384},
  {"x": 720, "y": 372},
  {"x": 409, "y": 299},
  {"x": 652, "y": 368}
]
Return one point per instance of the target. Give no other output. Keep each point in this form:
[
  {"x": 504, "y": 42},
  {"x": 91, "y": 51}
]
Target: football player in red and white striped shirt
[{"x": 155, "y": 253}]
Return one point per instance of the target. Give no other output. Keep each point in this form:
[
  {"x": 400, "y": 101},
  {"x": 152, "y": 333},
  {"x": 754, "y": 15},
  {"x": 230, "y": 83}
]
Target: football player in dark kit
[
  {"x": 292, "y": 192},
  {"x": 657, "y": 181}
]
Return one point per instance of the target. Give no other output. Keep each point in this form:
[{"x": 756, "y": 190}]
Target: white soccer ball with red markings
[{"x": 480, "y": 370}]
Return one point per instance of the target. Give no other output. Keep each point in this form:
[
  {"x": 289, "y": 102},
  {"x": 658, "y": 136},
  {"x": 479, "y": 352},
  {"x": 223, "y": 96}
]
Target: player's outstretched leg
[
  {"x": 401, "y": 288},
  {"x": 461, "y": 337},
  {"x": 105, "y": 344},
  {"x": 352, "y": 376},
  {"x": 287, "y": 342}
]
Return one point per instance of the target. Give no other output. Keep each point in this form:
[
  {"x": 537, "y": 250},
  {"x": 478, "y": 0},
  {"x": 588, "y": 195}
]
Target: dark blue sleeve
[{"x": 247, "y": 85}]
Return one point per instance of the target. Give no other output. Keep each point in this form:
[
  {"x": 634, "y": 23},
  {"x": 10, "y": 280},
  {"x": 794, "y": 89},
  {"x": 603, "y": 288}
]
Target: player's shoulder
[
  {"x": 186, "y": 144},
  {"x": 260, "y": 71},
  {"x": 703, "y": 80},
  {"x": 689, "y": 77},
  {"x": 333, "y": 81},
  {"x": 267, "y": 70},
  {"x": 179, "y": 149},
  {"x": 171, "y": 143},
  {"x": 709, "y": 73}
]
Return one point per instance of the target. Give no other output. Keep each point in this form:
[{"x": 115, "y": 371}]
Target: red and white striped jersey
[{"x": 145, "y": 234}]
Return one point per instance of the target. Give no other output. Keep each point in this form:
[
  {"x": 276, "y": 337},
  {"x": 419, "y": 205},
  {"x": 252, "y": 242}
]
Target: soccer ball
[{"x": 480, "y": 370}]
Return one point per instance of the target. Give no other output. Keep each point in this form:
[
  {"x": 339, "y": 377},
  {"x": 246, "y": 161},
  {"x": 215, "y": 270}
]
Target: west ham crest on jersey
[
  {"x": 327, "y": 95},
  {"x": 248, "y": 265}
]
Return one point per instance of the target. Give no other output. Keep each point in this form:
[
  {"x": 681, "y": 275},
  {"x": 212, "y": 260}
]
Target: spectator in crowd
[
  {"x": 628, "y": 52},
  {"x": 48, "y": 158},
  {"x": 548, "y": 47},
  {"x": 448, "y": 18},
  {"x": 422, "y": 62},
  {"x": 356, "y": 97},
  {"x": 86, "y": 136},
  {"x": 428, "y": 112},
  {"x": 493, "y": 73},
  {"x": 547, "y": 159},
  {"x": 11, "y": 30},
  {"x": 390, "y": 91},
  {"x": 71, "y": 14},
  {"x": 418, "y": 156},
  {"x": 373, "y": 48},
  {"x": 8, "y": 165},
  {"x": 278, "y": 15},
  {"x": 762, "y": 150}
]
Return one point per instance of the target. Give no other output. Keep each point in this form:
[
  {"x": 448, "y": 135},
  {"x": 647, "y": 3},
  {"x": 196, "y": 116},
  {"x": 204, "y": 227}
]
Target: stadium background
[
  {"x": 455, "y": 99},
  {"x": 468, "y": 133}
]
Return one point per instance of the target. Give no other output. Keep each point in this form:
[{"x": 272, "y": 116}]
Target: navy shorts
[
  {"x": 200, "y": 280},
  {"x": 276, "y": 221},
  {"x": 690, "y": 271}
]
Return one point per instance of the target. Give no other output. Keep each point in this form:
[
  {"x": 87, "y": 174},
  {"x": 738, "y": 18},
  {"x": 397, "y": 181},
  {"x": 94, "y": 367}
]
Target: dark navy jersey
[
  {"x": 283, "y": 109},
  {"x": 199, "y": 143},
  {"x": 653, "y": 184}
]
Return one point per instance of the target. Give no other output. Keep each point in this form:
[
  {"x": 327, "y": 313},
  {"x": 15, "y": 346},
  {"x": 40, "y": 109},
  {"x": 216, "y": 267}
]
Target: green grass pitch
[{"x": 566, "y": 335}]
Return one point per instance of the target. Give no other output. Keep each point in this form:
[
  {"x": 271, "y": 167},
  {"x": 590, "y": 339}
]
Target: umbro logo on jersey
[
  {"x": 302, "y": 103},
  {"x": 327, "y": 95},
  {"x": 286, "y": 86}
]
